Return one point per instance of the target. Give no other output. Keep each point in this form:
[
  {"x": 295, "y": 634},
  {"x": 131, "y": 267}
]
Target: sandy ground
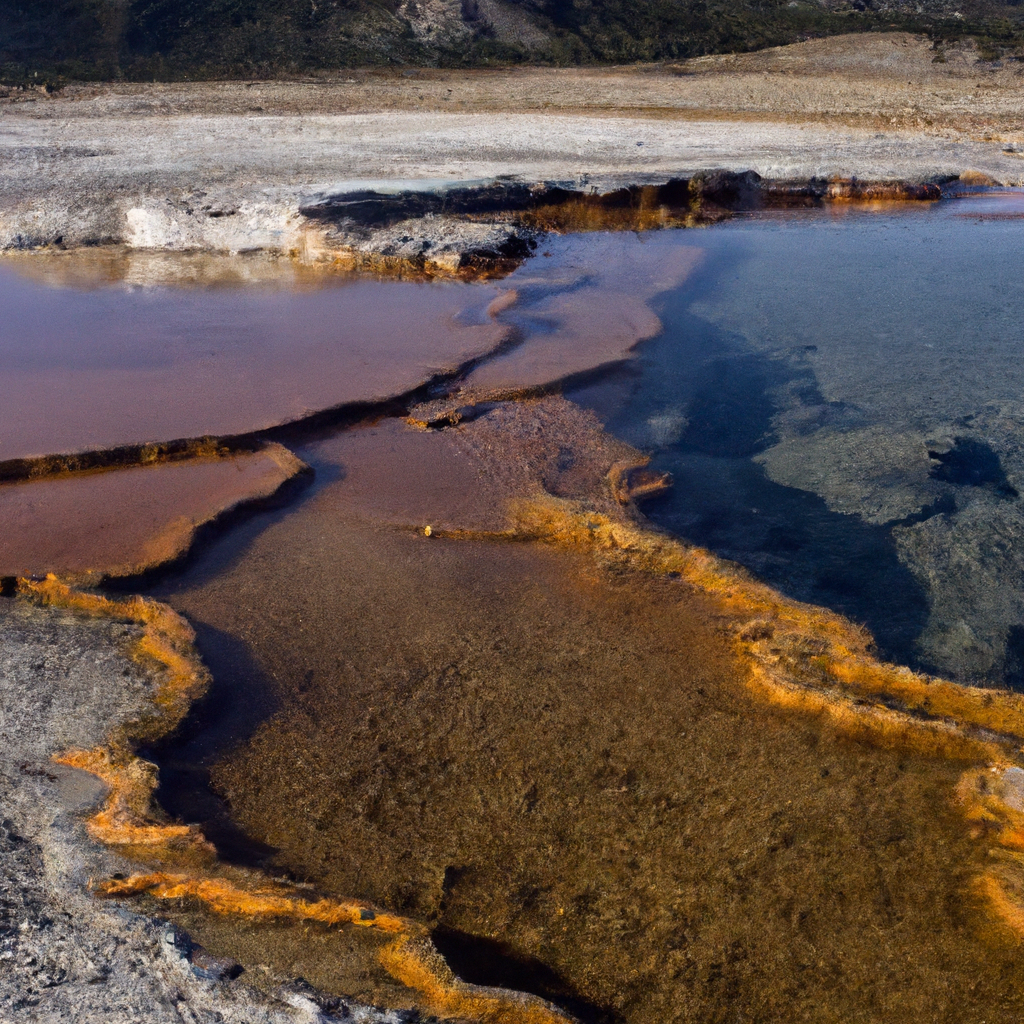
[{"x": 79, "y": 166}]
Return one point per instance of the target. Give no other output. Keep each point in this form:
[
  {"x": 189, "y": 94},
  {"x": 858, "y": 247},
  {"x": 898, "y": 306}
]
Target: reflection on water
[
  {"x": 546, "y": 757},
  {"x": 111, "y": 349},
  {"x": 839, "y": 399},
  {"x": 83, "y": 369},
  {"x": 105, "y": 266}
]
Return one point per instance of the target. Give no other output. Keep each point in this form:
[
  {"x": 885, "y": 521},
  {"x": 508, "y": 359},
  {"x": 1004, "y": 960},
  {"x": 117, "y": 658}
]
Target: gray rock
[{"x": 65, "y": 681}]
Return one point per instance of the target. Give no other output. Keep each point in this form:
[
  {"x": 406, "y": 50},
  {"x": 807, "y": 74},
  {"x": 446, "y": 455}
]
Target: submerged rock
[{"x": 634, "y": 483}]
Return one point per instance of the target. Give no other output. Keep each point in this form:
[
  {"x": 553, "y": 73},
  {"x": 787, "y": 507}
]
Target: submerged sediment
[
  {"x": 818, "y": 663},
  {"x": 539, "y": 758},
  {"x": 522, "y": 757},
  {"x": 128, "y": 821},
  {"x": 74, "y": 673}
]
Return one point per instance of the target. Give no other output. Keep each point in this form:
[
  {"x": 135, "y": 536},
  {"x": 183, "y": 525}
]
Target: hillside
[{"x": 59, "y": 40}]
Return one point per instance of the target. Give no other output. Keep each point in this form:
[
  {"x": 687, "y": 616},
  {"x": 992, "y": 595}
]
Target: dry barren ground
[{"x": 78, "y": 166}]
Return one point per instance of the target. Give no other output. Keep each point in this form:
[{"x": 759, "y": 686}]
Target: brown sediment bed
[
  {"x": 596, "y": 715},
  {"x": 547, "y": 752},
  {"x": 441, "y": 757},
  {"x": 120, "y": 522}
]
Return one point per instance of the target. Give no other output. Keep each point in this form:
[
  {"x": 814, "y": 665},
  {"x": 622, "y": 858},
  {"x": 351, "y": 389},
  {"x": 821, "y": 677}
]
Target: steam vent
[{"x": 511, "y": 513}]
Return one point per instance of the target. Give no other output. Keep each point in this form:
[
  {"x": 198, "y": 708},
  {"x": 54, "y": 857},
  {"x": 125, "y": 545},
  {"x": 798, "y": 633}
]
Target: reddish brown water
[
  {"x": 84, "y": 369},
  {"x": 218, "y": 348},
  {"x": 588, "y": 307},
  {"x": 122, "y": 521}
]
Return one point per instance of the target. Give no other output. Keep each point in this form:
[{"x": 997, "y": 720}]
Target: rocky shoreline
[
  {"x": 407, "y": 191},
  {"x": 469, "y": 231}
]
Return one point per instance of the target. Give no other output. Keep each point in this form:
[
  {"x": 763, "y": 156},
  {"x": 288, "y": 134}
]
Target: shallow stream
[{"x": 545, "y": 757}]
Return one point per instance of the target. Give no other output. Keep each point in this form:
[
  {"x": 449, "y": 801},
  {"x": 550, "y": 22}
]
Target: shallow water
[
  {"x": 839, "y": 398},
  {"x": 553, "y": 764},
  {"x": 117, "y": 363},
  {"x": 100, "y": 351},
  {"x": 547, "y": 758}
]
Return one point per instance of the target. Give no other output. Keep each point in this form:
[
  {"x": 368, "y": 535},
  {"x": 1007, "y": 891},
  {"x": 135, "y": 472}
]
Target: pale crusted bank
[
  {"x": 66, "y": 680},
  {"x": 232, "y": 166}
]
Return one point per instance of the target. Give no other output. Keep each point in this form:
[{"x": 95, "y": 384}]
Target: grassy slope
[{"x": 54, "y": 40}]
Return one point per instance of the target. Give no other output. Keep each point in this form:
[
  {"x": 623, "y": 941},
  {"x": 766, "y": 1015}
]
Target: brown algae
[{"x": 552, "y": 754}]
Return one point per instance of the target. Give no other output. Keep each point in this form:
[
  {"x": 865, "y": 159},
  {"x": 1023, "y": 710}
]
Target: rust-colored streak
[
  {"x": 803, "y": 657},
  {"x": 123, "y": 820},
  {"x": 410, "y": 958},
  {"x": 993, "y": 890},
  {"x": 128, "y": 820},
  {"x": 416, "y": 963},
  {"x": 126, "y": 817},
  {"x": 269, "y": 902},
  {"x": 812, "y": 662}
]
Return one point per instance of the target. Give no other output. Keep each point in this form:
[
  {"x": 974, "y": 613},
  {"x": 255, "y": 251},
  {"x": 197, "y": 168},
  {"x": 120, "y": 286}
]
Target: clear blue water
[{"x": 840, "y": 397}]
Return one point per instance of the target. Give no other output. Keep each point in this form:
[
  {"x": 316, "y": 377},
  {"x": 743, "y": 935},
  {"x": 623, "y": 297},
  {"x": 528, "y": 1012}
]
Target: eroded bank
[{"x": 490, "y": 684}]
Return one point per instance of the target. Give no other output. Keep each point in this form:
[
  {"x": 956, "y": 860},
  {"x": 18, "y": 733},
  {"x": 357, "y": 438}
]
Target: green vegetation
[{"x": 51, "y": 41}]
